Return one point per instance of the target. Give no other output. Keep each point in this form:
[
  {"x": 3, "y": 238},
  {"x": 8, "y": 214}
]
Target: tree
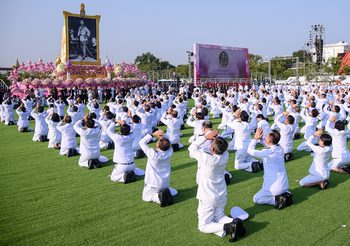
[
  {"x": 182, "y": 70},
  {"x": 149, "y": 62},
  {"x": 346, "y": 70},
  {"x": 303, "y": 55}
]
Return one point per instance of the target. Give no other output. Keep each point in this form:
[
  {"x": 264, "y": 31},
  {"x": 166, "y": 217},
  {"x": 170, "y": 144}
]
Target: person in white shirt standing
[
  {"x": 212, "y": 193},
  {"x": 275, "y": 186},
  {"x": 157, "y": 177}
]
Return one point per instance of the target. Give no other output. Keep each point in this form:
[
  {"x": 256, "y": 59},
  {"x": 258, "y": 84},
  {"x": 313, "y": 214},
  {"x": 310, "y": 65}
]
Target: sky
[{"x": 31, "y": 29}]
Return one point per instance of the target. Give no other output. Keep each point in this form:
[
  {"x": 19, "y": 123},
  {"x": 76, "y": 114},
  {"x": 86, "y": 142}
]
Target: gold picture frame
[{"x": 82, "y": 39}]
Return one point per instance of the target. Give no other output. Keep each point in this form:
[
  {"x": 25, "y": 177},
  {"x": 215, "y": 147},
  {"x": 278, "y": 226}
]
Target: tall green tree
[{"x": 149, "y": 62}]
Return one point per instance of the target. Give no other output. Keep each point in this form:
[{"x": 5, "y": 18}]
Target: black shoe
[
  {"x": 170, "y": 199},
  {"x": 175, "y": 147},
  {"x": 297, "y": 136},
  {"x": 110, "y": 145},
  {"x": 238, "y": 229},
  {"x": 72, "y": 152},
  {"x": 288, "y": 157},
  {"x": 229, "y": 228},
  {"x": 140, "y": 153},
  {"x": 97, "y": 163},
  {"x": 325, "y": 184},
  {"x": 129, "y": 177},
  {"x": 227, "y": 179},
  {"x": 289, "y": 198},
  {"x": 346, "y": 169},
  {"x": 261, "y": 165},
  {"x": 91, "y": 164},
  {"x": 255, "y": 167},
  {"x": 280, "y": 202},
  {"x": 164, "y": 197}
]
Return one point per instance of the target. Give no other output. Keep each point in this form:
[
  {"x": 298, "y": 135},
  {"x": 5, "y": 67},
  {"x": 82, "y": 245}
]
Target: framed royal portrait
[{"x": 82, "y": 38}]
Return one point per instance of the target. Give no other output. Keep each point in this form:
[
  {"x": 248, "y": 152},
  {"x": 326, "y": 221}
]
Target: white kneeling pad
[
  {"x": 103, "y": 159},
  {"x": 237, "y": 212},
  {"x": 173, "y": 192}
]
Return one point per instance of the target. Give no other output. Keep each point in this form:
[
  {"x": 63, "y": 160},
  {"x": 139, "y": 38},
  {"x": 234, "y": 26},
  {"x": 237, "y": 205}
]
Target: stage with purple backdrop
[{"x": 220, "y": 65}]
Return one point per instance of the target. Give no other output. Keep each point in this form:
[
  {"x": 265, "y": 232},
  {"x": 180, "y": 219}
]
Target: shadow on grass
[
  {"x": 185, "y": 165},
  {"x": 301, "y": 194},
  {"x": 185, "y": 194},
  {"x": 257, "y": 209},
  {"x": 253, "y": 226},
  {"x": 241, "y": 176}
]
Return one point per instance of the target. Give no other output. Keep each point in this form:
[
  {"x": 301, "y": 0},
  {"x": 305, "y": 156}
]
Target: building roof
[{"x": 345, "y": 62}]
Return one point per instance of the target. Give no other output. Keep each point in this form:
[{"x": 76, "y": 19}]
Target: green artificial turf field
[{"x": 47, "y": 199}]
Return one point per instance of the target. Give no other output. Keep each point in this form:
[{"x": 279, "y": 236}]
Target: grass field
[{"x": 47, "y": 199}]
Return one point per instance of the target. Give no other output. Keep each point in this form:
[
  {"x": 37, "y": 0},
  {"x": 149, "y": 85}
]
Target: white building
[{"x": 332, "y": 50}]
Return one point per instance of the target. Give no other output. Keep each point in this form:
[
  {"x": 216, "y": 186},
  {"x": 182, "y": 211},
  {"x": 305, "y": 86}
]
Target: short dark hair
[
  {"x": 55, "y": 117},
  {"x": 207, "y": 124},
  {"x": 40, "y": 109},
  {"x": 75, "y": 108},
  {"x": 219, "y": 145},
  {"x": 125, "y": 129},
  {"x": 92, "y": 115},
  {"x": 336, "y": 108},
  {"x": 147, "y": 108},
  {"x": 290, "y": 119},
  {"x": 275, "y": 137},
  {"x": 205, "y": 111},
  {"x": 106, "y": 108},
  {"x": 136, "y": 119},
  {"x": 174, "y": 113},
  {"x": 244, "y": 116},
  {"x": 326, "y": 139},
  {"x": 314, "y": 112},
  {"x": 340, "y": 125},
  {"x": 260, "y": 116},
  {"x": 109, "y": 115},
  {"x": 67, "y": 119},
  {"x": 90, "y": 123},
  {"x": 199, "y": 115},
  {"x": 163, "y": 144}
]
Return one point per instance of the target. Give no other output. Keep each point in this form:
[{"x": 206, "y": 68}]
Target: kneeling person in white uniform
[
  {"x": 275, "y": 186},
  {"x": 211, "y": 193},
  {"x": 89, "y": 143},
  {"x": 157, "y": 176},
  {"x": 123, "y": 157},
  {"x": 319, "y": 171}
]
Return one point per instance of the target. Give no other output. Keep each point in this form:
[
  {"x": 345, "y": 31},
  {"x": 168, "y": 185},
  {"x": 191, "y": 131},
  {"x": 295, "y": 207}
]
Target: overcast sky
[{"x": 31, "y": 29}]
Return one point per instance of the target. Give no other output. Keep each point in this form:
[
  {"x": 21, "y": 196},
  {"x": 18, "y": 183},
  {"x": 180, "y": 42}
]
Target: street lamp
[{"x": 189, "y": 56}]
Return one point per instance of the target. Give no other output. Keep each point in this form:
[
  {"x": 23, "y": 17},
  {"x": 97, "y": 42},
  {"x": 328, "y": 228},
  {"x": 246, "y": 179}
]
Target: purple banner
[{"x": 220, "y": 62}]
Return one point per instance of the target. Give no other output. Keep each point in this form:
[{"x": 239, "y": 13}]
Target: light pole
[{"x": 189, "y": 54}]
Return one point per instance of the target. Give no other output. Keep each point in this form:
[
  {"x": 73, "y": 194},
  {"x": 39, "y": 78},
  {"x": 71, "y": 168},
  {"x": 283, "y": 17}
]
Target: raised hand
[{"x": 258, "y": 134}]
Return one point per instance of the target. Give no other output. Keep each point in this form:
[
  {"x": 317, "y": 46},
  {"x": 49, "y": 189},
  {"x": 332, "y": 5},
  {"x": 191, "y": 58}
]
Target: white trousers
[
  {"x": 243, "y": 160},
  {"x": 264, "y": 197},
  {"x": 311, "y": 179},
  {"x": 338, "y": 163},
  {"x": 150, "y": 194},
  {"x": 212, "y": 219},
  {"x": 118, "y": 172}
]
